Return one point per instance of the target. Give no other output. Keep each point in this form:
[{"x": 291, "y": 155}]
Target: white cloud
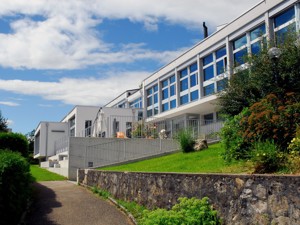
[
  {"x": 10, "y": 122},
  {"x": 66, "y": 38},
  {"x": 13, "y": 104},
  {"x": 89, "y": 91}
]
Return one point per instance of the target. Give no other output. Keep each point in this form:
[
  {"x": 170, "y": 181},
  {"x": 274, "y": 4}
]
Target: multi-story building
[
  {"x": 183, "y": 92},
  {"x": 77, "y": 123}
]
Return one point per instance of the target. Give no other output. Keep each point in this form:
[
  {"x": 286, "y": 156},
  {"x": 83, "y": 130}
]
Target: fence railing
[
  {"x": 122, "y": 150},
  {"x": 61, "y": 145}
]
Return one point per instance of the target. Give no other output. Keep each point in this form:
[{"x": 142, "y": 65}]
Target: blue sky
[{"x": 61, "y": 53}]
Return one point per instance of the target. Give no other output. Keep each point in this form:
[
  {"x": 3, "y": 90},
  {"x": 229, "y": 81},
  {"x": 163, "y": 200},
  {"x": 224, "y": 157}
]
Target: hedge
[
  {"x": 14, "y": 142},
  {"x": 14, "y": 186}
]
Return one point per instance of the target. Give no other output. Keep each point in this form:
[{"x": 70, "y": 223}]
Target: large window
[
  {"x": 168, "y": 91},
  {"x": 240, "y": 50},
  {"x": 88, "y": 128},
  {"x": 152, "y": 101},
  {"x": 283, "y": 23},
  {"x": 257, "y": 38},
  {"x": 209, "y": 90},
  {"x": 137, "y": 103},
  {"x": 214, "y": 69},
  {"x": 188, "y": 83}
]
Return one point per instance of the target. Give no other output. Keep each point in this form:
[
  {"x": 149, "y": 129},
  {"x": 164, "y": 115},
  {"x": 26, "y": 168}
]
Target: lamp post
[{"x": 274, "y": 54}]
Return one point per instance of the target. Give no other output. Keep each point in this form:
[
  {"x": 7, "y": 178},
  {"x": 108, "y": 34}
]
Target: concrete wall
[
  {"x": 239, "y": 199},
  {"x": 97, "y": 152}
]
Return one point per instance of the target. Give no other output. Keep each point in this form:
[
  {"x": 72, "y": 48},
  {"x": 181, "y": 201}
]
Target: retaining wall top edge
[{"x": 201, "y": 174}]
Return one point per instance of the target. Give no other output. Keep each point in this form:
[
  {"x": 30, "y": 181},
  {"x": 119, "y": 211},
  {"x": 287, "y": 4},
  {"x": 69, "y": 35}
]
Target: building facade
[{"x": 184, "y": 92}]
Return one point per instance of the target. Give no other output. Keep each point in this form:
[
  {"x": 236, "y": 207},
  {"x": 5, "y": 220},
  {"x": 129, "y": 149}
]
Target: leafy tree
[
  {"x": 263, "y": 77},
  {"x": 3, "y": 123}
]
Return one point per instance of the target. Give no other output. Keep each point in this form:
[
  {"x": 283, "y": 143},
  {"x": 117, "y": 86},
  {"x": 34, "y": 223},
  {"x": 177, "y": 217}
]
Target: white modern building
[
  {"x": 183, "y": 92},
  {"x": 49, "y": 136}
]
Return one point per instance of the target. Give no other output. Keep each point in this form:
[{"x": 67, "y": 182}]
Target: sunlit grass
[
  {"x": 40, "y": 174},
  {"x": 206, "y": 161}
]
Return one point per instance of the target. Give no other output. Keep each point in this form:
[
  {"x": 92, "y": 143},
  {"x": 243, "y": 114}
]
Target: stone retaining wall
[{"x": 239, "y": 199}]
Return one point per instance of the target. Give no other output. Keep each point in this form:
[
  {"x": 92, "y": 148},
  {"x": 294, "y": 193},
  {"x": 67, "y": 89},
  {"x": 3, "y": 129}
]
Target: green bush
[
  {"x": 14, "y": 142},
  {"x": 14, "y": 186},
  {"x": 188, "y": 211},
  {"x": 186, "y": 141},
  {"x": 266, "y": 157},
  {"x": 232, "y": 138}
]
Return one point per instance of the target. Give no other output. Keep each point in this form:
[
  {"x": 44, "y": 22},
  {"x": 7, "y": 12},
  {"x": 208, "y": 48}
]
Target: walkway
[{"x": 65, "y": 203}]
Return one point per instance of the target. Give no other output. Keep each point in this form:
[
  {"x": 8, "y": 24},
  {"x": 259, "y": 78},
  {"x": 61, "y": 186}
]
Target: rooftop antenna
[{"x": 205, "y": 30}]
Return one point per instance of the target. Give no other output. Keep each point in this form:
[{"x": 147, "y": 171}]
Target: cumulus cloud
[
  {"x": 88, "y": 91},
  {"x": 62, "y": 34},
  {"x": 13, "y": 104}
]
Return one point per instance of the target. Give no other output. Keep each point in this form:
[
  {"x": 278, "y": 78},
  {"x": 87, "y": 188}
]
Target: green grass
[
  {"x": 40, "y": 174},
  {"x": 206, "y": 161}
]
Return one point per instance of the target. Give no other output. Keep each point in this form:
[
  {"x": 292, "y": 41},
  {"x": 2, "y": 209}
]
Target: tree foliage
[
  {"x": 3, "y": 123},
  {"x": 263, "y": 77},
  {"x": 262, "y": 105}
]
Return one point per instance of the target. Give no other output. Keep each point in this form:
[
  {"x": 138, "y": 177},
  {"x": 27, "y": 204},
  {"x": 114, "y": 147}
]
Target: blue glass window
[
  {"x": 194, "y": 95},
  {"x": 255, "y": 48},
  {"x": 165, "y": 83},
  {"x": 172, "y": 90},
  {"x": 208, "y": 90},
  {"x": 193, "y": 67},
  {"x": 184, "y": 85},
  {"x": 172, "y": 79},
  {"x": 281, "y": 34},
  {"x": 221, "y": 52},
  {"x": 208, "y": 59},
  {"x": 165, "y": 107},
  {"x": 183, "y": 73},
  {"x": 284, "y": 17},
  {"x": 165, "y": 94},
  {"x": 239, "y": 57},
  {"x": 239, "y": 42},
  {"x": 184, "y": 99},
  {"x": 173, "y": 104},
  {"x": 149, "y": 91},
  {"x": 258, "y": 32},
  {"x": 155, "y": 98},
  {"x": 155, "y": 110},
  {"x": 149, "y": 101},
  {"x": 155, "y": 88},
  {"x": 220, "y": 67},
  {"x": 193, "y": 80},
  {"x": 221, "y": 84},
  {"x": 149, "y": 113},
  {"x": 208, "y": 73}
]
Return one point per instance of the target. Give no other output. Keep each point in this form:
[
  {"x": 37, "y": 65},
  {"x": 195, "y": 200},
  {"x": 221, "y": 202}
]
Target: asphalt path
[{"x": 65, "y": 203}]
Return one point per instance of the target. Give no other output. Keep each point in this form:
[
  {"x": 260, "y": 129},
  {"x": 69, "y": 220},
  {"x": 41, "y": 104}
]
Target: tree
[
  {"x": 3, "y": 123},
  {"x": 263, "y": 77}
]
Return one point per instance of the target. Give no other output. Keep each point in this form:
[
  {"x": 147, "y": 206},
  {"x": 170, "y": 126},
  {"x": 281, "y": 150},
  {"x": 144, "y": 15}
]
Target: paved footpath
[{"x": 65, "y": 203}]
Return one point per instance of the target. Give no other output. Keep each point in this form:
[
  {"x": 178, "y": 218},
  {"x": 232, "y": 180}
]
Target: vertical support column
[
  {"x": 230, "y": 63},
  {"x": 159, "y": 96},
  {"x": 177, "y": 87},
  {"x": 269, "y": 30},
  {"x": 297, "y": 16},
  {"x": 200, "y": 70}
]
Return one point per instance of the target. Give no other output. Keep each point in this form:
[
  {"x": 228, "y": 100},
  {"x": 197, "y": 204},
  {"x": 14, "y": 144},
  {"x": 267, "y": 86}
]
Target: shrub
[
  {"x": 232, "y": 138},
  {"x": 14, "y": 186},
  {"x": 266, "y": 157},
  {"x": 273, "y": 118},
  {"x": 186, "y": 141},
  {"x": 188, "y": 211},
  {"x": 14, "y": 142}
]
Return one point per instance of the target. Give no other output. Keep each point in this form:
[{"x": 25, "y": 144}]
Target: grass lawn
[
  {"x": 40, "y": 174},
  {"x": 206, "y": 161}
]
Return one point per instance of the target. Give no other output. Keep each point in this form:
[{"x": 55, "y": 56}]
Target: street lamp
[{"x": 274, "y": 54}]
